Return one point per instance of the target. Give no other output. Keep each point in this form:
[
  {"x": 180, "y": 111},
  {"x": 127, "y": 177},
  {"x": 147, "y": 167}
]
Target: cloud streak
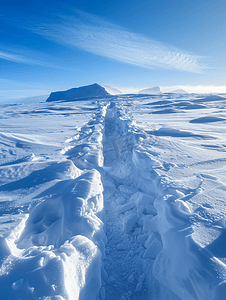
[
  {"x": 12, "y": 57},
  {"x": 92, "y": 34},
  {"x": 28, "y": 56},
  {"x": 24, "y": 58}
]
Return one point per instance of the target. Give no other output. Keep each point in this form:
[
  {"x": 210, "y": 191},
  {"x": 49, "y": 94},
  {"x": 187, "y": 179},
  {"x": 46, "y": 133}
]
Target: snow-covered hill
[
  {"x": 93, "y": 90},
  {"x": 122, "y": 198}
]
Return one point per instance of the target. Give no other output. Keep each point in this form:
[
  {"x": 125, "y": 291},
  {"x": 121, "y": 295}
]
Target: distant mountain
[
  {"x": 151, "y": 91},
  {"x": 179, "y": 91},
  {"x": 112, "y": 90},
  {"x": 94, "y": 90}
]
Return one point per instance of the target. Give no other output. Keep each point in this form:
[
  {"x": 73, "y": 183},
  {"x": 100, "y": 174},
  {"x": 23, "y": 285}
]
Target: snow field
[{"x": 116, "y": 208}]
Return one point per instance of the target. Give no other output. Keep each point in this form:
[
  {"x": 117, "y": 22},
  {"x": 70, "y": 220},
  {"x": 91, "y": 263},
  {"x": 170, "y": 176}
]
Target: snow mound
[
  {"x": 94, "y": 90},
  {"x": 153, "y": 90}
]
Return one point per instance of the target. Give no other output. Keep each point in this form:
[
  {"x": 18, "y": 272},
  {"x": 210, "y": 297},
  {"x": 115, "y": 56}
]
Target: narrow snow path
[{"x": 122, "y": 273}]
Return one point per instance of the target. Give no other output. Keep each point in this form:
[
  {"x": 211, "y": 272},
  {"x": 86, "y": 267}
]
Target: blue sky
[{"x": 55, "y": 45}]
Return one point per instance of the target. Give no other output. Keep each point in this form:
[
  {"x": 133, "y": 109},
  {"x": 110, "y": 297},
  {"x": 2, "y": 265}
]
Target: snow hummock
[
  {"x": 93, "y": 90},
  {"x": 151, "y": 91}
]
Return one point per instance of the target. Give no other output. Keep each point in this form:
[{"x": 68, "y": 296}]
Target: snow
[{"x": 114, "y": 198}]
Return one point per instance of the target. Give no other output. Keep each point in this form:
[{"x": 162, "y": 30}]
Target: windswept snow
[{"x": 120, "y": 198}]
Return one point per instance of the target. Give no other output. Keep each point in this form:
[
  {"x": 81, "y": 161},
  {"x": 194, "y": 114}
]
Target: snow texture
[{"x": 120, "y": 198}]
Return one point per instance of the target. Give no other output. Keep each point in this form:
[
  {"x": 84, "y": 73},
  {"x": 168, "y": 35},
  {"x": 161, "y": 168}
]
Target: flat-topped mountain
[{"x": 93, "y": 90}]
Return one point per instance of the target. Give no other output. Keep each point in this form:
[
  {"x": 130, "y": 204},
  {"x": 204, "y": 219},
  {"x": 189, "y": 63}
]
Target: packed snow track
[{"x": 120, "y": 198}]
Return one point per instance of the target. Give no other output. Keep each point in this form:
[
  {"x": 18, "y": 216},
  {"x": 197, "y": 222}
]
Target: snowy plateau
[{"x": 114, "y": 197}]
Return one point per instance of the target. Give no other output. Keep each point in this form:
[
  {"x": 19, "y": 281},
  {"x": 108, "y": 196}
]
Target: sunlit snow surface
[{"x": 120, "y": 198}]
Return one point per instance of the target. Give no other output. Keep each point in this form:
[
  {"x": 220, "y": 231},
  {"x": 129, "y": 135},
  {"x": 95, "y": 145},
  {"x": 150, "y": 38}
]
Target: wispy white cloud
[
  {"x": 28, "y": 56},
  {"x": 92, "y": 34},
  {"x": 22, "y": 56},
  {"x": 12, "y": 57}
]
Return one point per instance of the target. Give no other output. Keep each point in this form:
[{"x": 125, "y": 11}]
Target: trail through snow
[{"x": 123, "y": 270}]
